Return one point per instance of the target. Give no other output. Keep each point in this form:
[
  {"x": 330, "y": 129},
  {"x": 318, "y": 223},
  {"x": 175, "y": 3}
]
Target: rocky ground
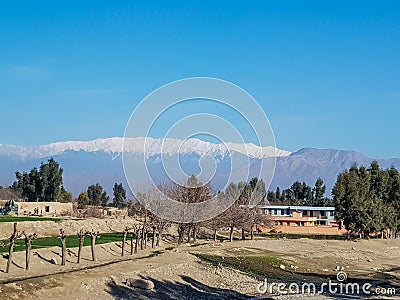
[{"x": 177, "y": 273}]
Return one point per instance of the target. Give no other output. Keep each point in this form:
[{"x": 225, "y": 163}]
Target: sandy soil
[{"x": 178, "y": 274}]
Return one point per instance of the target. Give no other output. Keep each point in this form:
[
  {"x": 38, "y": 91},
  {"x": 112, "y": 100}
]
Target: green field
[
  {"x": 25, "y": 219},
  {"x": 72, "y": 241},
  {"x": 252, "y": 264}
]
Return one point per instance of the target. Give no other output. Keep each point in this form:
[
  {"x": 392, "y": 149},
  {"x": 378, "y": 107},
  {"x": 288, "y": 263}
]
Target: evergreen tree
[
  {"x": 319, "y": 192},
  {"x": 83, "y": 199},
  {"x": 365, "y": 199},
  {"x": 97, "y": 196},
  {"x": 50, "y": 180},
  {"x": 44, "y": 184},
  {"x": 119, "y": 199}
]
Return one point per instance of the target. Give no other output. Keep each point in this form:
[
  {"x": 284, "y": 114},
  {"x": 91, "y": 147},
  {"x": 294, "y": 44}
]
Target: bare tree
[
  {"x": 215, "y": 224},
  {"x": 126, "y": 231},
  {"x": 15, "y": 235},
  {"x": 158, "y": 225},
  {"x": 93, "y": 236},
  {"x": 28, "y": 247},
  {"x": 137, "y": 240},
  {"x": 81, "y": 235},
  {"x": 63, "y": 239},
  {"x": 134, "y": 245},
  {"x": 193, "y": 192}
]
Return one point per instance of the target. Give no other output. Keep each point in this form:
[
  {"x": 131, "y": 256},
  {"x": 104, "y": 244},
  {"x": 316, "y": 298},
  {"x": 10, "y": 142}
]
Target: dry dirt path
[{"x": 177, "y": 274}]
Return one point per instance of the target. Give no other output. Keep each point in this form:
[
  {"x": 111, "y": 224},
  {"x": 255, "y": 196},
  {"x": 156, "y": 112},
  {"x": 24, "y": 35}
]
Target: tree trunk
[
  {"x": 145, "y": 239},
  {"x": 194, "y": 234},
  {"x": 63, "y": 239},
  {"x": 252, "y": 233},
  {"x": 158, "y": 239},
  {"x": 81, "y": 241},
  {"x": 243, "y": 235},
  {"x": 153, "y": 239},
  {"x": 231, "y": 234},
  {"x": 92, "y": 244},
  {"x": 137, "y": 241},
  {"x": 142, "y": 240},
  {"x": 28, "y": 246},
  {"x": 180, "y": 235},
  {"x": 132, "y": 235},
  {"x": 215, "y": 235},
  {"x": 63, "y": 250},
  {"x": 124, "y": 242},
  {"x": 188, "y": 234},
  {"x": 11, "y": 247}
]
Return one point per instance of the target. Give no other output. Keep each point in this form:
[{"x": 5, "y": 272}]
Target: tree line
[
  {"x": 367, "y": 200},
  {"x": 43, "y": 184},
  {"x": 241, "y": 215},
  {"x": 46, "y": 184},
  {"x": 301, "y": 194}
]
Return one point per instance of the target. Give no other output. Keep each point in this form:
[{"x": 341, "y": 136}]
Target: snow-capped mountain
[
  {"x": 148, "y": 145},
  {"x": 100, "y": 160}
]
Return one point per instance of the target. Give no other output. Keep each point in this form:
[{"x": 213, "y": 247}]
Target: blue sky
[{"x": 327, "y": 74}]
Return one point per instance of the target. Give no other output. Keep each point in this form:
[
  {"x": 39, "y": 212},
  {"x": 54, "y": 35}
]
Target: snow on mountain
[
  {"x": 100, "y": 160},
  {"x": 150, "y": 146}
]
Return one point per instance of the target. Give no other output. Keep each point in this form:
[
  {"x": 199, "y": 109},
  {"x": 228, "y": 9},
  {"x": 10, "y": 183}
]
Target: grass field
[
  {"x": 25, "y": 219},
  {"x": 72, "y": 241},
  {"x": 252, "y": 264}
]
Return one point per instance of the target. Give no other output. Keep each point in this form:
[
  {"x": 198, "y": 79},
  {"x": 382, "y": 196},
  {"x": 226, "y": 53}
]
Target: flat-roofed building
[{"x": 313, "y": 219}]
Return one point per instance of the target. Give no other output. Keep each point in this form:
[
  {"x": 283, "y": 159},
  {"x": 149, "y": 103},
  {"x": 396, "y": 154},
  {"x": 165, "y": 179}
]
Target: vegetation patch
[
  {"x": 262, "y": 266},
  {"x": 6, "y": 218}
]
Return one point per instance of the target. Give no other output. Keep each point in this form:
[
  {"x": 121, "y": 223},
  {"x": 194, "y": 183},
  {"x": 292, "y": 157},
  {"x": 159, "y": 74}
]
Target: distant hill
[{"x": 85, "y": 163}]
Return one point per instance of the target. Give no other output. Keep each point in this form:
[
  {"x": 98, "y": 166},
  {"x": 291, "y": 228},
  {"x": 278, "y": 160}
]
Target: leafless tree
[
  {"x": 192, "y": 192},
  {"x": 137, "y": 240},
  {"x": 63, "y": 239},
  {"x": 28, "y": 247},
  {"x": 14, "y": 236},
  {"x": 158, "y": 225},
  {"x": 134, "y": 245},
  {"x": 215, "y": 224},
  {"x": 126, "y": 231},
  {"x": 81, "y": 235},
  {"x": 93, "y": 236}
]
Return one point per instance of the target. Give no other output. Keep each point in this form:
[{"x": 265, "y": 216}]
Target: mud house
[{"x": 41, "y": 208}]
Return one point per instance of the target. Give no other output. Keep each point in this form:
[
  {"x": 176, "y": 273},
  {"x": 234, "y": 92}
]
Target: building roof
[
  {"x": 295, "y": 207},
  {"x": 294, "y": 219}
]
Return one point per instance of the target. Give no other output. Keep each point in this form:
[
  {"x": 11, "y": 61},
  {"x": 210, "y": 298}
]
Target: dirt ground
[{"x": 178, "y": 274}]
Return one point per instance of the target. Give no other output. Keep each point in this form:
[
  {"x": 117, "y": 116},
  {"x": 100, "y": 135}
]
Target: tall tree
[
  {"x": 319, "y": 192},
  {"x": 50, "y": 180},
  {"x": 83, "y": 199},
  {"x": 44, "y": 184},
  {"x": 363, "y": 199},
  {"x": 119, "y": 199},
  {"x": 97, "y": 196}
]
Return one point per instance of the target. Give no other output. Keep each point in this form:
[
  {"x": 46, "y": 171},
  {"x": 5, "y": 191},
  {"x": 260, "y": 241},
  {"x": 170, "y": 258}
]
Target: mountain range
[{"x": 100, "y": 160}]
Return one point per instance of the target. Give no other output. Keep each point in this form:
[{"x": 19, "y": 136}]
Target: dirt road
[{"x": 178, "y": 273}]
